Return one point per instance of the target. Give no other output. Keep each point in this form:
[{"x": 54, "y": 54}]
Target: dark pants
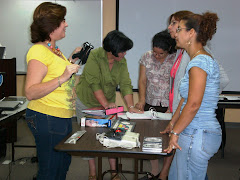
[
  {"x": 157, "y": 108},
  {"x": 48, "y": 131}
]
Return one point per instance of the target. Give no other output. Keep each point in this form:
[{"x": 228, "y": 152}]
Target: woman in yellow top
[{"x": 48, "y": 88}]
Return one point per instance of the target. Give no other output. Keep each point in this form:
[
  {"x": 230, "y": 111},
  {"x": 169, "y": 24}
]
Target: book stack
[
  {"x": 98, "y": 121},
  {"x": 95, "y": 111},
  {"x": 101, "y": 111},
  {"x": 152, "y": 144}
]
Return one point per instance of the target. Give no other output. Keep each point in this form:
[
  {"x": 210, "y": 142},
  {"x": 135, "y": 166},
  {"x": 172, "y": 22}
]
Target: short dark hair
[
  {"x": 205, "y": 25},
  {"x": 164, "y": 41},
  {"x": 46, "y": 18},
  {"x": 116, "y": 42}
]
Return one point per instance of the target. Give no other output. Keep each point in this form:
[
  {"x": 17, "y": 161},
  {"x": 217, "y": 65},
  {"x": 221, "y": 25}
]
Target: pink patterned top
[{"x": 158, "y": 78}]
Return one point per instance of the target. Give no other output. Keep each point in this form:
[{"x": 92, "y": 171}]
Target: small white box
[{"x": 83, "y": 119}]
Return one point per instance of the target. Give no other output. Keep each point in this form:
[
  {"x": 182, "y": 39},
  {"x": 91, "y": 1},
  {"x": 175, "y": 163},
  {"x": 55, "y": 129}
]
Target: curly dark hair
[
  {"x": 46, "y": 18},
  {"x": 205, "y": 25},
  {"x": 164, "y": 41},
  {"x": 116, "y": 42}
]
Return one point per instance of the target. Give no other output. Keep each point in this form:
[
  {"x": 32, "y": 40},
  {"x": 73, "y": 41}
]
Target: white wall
[
  {"x": 84, "y": 24},
  {"x": 141, "y": 19}
]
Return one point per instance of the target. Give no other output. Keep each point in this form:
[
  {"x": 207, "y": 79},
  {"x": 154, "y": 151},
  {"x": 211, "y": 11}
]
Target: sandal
[{"x": 92, "y": 177}]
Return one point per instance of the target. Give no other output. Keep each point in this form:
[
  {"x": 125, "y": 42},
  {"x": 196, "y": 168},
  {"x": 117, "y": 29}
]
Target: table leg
[
  {"x": 136, "y": 169},
  {"x": 99, "y": 168},
  {"x": 223, "y": 133},
  {"x": 13, "y": 152}
]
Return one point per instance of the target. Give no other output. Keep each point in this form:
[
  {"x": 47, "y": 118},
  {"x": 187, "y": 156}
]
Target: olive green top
[{"x": 97, "y": 75}]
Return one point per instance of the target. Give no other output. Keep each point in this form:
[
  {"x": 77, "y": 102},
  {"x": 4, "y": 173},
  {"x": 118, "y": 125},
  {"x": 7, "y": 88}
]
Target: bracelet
[
  {"x": 171, "y": 123},
  {"x": 172, "y": 132},
  {"x": 59, "y": 84},
  {"x": 130, "y": 107}
]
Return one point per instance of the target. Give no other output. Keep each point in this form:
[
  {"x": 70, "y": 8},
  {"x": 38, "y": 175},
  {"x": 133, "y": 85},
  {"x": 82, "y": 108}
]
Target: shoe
[
  {"x": 149, "y": 178},
  {"x": 92, "y": 177}
]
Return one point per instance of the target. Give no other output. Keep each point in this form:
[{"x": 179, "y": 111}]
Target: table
[
  {"x": 222, "y": 105},
  {"x": 87, "y": 145},
  {"x": 10, "y": 123}
]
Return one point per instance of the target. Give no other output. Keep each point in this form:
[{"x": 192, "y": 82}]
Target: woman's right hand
[
  {"x": 140, "y": 106},
  {"x": 110, "y": 105},
  {"x": 69, "y": 71}
]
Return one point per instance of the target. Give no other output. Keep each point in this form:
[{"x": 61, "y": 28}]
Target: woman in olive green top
[{"x": 105, "y": 70}]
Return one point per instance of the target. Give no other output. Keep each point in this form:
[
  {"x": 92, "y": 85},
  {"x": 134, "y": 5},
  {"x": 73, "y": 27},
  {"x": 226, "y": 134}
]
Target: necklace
[
  {"x": 56, "y": 50},
  {"x": 196, "y": 53}
]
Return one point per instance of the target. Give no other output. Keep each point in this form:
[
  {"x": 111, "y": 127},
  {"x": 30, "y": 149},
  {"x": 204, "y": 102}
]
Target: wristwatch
[{"x": 172, "y": 132}]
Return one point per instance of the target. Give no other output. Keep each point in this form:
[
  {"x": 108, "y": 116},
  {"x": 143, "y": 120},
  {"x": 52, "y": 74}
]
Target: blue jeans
[
  {"x": 198, "y": 146},
  {"x": 48, "y": 131}
]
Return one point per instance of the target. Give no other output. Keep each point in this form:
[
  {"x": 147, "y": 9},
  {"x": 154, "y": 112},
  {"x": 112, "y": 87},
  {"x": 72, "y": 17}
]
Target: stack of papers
[{"x": 101, "y": 111}]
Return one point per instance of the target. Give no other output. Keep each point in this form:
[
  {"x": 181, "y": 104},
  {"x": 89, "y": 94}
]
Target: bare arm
[
  {"x": 142, "y": 87},
  {"x": 197, "y": 84},
  {"x": 34, "y": 88},
  {"x": 102, "y": 99},
  {"x": 129, "y": 101},
  {"x": 174, "y": 118},
  {"x": 176, "y": 115}
]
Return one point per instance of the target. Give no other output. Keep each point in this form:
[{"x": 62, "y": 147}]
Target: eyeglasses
[
  {"x": 159, "y": 55},
  {"x": 179, "y": 29},
  {"x": 172, "y": 23}
]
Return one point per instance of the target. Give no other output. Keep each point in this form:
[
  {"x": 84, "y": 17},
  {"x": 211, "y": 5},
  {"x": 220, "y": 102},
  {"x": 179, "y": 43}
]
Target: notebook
[
  {"x": 2, "y": 51},
  {"x": 9, "y": 105},
  {"x": 19, "y": 99}
]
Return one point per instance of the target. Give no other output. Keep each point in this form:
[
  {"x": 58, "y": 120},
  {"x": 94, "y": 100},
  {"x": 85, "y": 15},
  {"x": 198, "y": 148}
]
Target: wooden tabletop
[{"x": 87, "y": 145}]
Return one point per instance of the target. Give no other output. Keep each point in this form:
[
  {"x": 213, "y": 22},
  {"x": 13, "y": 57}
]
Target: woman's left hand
[
  {"x": 135, "y": 110},
  {"x": 173, "y": 143}
]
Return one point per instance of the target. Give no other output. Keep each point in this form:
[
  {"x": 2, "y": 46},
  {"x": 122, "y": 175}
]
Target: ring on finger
[{"x": 173, "y": 147}]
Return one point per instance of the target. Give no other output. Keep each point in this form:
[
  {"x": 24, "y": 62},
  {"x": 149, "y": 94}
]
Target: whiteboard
[
  {"x": 140, "y": 20},
  {"x": 84, "y": 18}
]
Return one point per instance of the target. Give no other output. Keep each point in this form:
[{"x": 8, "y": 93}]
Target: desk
[
  {"x": 87, "y": 145},
  {"x": 222, "y": 105},
  {"x": 10, "y": 123}
]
